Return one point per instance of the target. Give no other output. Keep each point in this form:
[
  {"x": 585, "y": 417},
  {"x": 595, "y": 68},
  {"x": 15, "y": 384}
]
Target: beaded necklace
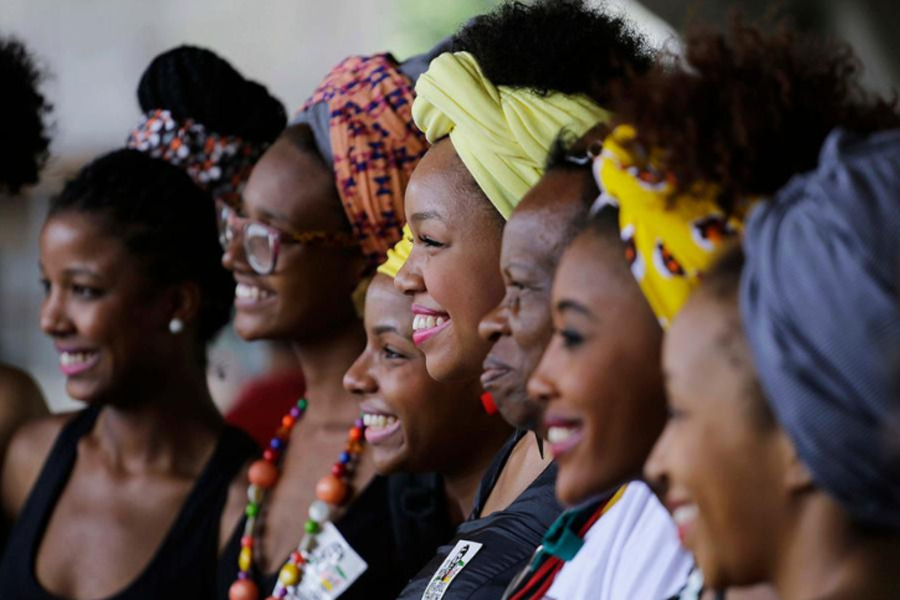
[{"x": 332, "y": 491}]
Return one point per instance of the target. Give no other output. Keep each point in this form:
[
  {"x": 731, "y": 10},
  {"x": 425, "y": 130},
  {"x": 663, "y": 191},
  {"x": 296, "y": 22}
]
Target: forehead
[
  {"x": 441, "y": 187},
  {"x": 386, "y": 306},
  {"x": 538, "y": 226},
  {"x": 294, "y": 184},
  {"x": 82, "y": 237},
  {"x": 593, "y": 271},
  {"x": 700, "y": 346}
]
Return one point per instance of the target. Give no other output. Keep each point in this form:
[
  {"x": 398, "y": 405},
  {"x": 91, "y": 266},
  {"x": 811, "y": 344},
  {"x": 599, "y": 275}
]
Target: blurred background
[{"x": 94, "y": 52}]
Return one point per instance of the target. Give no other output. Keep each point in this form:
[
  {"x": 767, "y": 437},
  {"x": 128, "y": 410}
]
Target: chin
[
  {"x": 250, "y": 329},
  {"x": 518, "y": 414}
]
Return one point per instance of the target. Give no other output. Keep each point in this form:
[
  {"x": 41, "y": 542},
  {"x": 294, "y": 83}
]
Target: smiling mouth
[
  {"x": 379, "y": 427},
  {"x": 684, "y": 517},
  {"x": 427, "y": 324},
  {"x": 563, "y": 435},
  {"x": 249, "y": 295},
  {"x": 73, "y": 363}
]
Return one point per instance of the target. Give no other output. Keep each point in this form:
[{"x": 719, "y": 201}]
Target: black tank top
[{"x": 184, "y": 566}]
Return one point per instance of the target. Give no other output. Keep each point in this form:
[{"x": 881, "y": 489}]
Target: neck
[
  {"x": 324, "y": 360},
  {"x": 827, "y": 557},
  {"x": 170, "y": 427}
]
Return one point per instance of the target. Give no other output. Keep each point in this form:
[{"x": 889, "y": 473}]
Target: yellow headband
[
  {"x": 397, "y": 255},
  {"x": 502, "y": 134},
  {"x": 671, "y": 239}
]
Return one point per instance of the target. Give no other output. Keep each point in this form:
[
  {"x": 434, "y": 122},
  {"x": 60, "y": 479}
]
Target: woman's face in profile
[{"x": 453, "y": 271}]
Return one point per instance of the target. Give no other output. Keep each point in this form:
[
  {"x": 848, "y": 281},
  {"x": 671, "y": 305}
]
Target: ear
[
  {"x": 797, "y": 477},
  {"x": 185, "y": 302}
]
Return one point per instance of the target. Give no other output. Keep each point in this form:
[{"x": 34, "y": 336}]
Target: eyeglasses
[{"x": 261, "y": 243}]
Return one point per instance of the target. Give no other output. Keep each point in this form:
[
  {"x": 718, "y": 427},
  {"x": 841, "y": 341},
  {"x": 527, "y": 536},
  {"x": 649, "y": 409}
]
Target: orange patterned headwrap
[{"x": 374, "y": 144}]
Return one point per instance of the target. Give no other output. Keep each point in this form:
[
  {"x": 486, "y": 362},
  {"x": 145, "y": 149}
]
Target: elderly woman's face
[
  {"x": 600, "y": 376},
  {"x": 717, "y": 464},
  {"x": 520, "y": 325},
  {"x": 453, "y": 271}
]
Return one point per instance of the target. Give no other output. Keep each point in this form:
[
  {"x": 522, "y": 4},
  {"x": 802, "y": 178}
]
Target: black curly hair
[
  {"x": 554, "y": 46},
  {"x": 748, "y": 108},
  {"x": 163, "y": 218},
  {"x": 196, "y": 83},
  {"x": 26, "y": 141}
]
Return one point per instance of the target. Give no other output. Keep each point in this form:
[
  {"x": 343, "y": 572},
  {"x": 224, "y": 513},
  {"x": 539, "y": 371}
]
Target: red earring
[{"x": 487, "y": 401}]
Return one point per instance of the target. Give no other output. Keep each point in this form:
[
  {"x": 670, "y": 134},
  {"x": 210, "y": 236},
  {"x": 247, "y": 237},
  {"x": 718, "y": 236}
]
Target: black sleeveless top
[
  {"x": 395, "y": 525},
  {"x": 184, "y": 566}
]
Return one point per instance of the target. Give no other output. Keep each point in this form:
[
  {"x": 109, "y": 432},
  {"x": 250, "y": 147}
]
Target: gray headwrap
[{"x": 819, "y": 303}]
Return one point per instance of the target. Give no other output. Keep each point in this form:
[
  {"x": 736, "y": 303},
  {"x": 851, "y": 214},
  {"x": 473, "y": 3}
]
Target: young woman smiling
[
  {"x": 680, "y": 179},
  {"x": 776, "y": 369},
  {"x": 492, "y": 109},
  {"x": 422, "y": 416},
  {"x": 318, "y": 213},
  {"x": 128, "y": 501}
]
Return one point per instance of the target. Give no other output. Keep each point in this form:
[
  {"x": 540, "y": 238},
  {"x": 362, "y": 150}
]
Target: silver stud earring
[{"x": 176, "y": 326}]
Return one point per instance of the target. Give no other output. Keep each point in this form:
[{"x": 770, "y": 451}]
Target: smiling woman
[{"x": 133, "y": 294}]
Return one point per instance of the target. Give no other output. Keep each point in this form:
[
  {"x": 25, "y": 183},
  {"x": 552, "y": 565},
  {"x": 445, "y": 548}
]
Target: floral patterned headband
[{"x": 220, "y": 164}]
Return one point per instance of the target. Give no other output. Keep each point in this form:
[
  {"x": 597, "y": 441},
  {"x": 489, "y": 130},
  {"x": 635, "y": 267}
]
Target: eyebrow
[
  {"x": 269, "y": 215},
  {"x": 380, "y": 329},
  {"x": 80, "y": 271},
  {"x": 571, "y": 305},
  {"x": 426, "y": 215}
]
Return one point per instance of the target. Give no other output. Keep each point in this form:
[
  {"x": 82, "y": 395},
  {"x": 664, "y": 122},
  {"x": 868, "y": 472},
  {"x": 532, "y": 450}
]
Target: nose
[
  {"x": 409, "y": 278},
  {"x": 54, "y": 320},
  {"x": 542, "y": 384},
  {"x": 358, "y": 379},
  {"x": 495, "y": 324},
  {"x": 656, "y": 471},
  {"x": 233, "y": 257}
]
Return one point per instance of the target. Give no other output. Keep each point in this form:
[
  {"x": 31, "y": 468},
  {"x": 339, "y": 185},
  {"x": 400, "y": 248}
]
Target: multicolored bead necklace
[{"x": 332, "y": 491}]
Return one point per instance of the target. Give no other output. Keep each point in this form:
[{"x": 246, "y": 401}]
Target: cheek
[
  {"x": 532, "y": 330},
  {"x": 467, "y": 287}
]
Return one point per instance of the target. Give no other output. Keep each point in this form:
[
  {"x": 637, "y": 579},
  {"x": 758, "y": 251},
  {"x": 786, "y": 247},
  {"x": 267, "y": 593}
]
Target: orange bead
[
  {"x": 243, "y": 589},
  {"x": 332, "y": 490},
  {"x": 355, "y": 434},
  {"x": 287, "y": 421},
  {"x": 263, "y": 473},
  {"x": 355, "y": 448}
]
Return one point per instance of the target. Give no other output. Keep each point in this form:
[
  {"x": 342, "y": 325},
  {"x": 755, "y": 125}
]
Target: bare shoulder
[
  {"x": 25, "y": 456},
  {"x": 20, "y": 399}
]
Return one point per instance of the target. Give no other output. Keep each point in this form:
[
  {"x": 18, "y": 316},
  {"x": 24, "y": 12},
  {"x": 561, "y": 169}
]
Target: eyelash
[
  {"x": 391, "y": 354},
  {"x": 571, "y": 338},
  {"x": 82, "y": 292},
  {"x": 674, "y": 414},
  {"x": 430, "y": 242}
]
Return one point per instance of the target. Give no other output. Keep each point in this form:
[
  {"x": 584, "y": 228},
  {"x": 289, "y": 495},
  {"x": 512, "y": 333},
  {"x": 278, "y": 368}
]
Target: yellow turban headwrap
[
  {"x": 502, "y": 134},
  {"x": 671, "y": 239},
  {"x": 397, "y": 255}
]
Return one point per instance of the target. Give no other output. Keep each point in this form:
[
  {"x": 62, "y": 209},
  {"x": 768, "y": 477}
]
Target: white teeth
[
  {"x": 378, "y": 421},
  {"x": 421, "y": 322},
  {"x": 68, "y": 359},
  {"x": 556, "y": 435},
  {"x": 685, "y": 514},
  {"x": 244, "y": 291}
]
